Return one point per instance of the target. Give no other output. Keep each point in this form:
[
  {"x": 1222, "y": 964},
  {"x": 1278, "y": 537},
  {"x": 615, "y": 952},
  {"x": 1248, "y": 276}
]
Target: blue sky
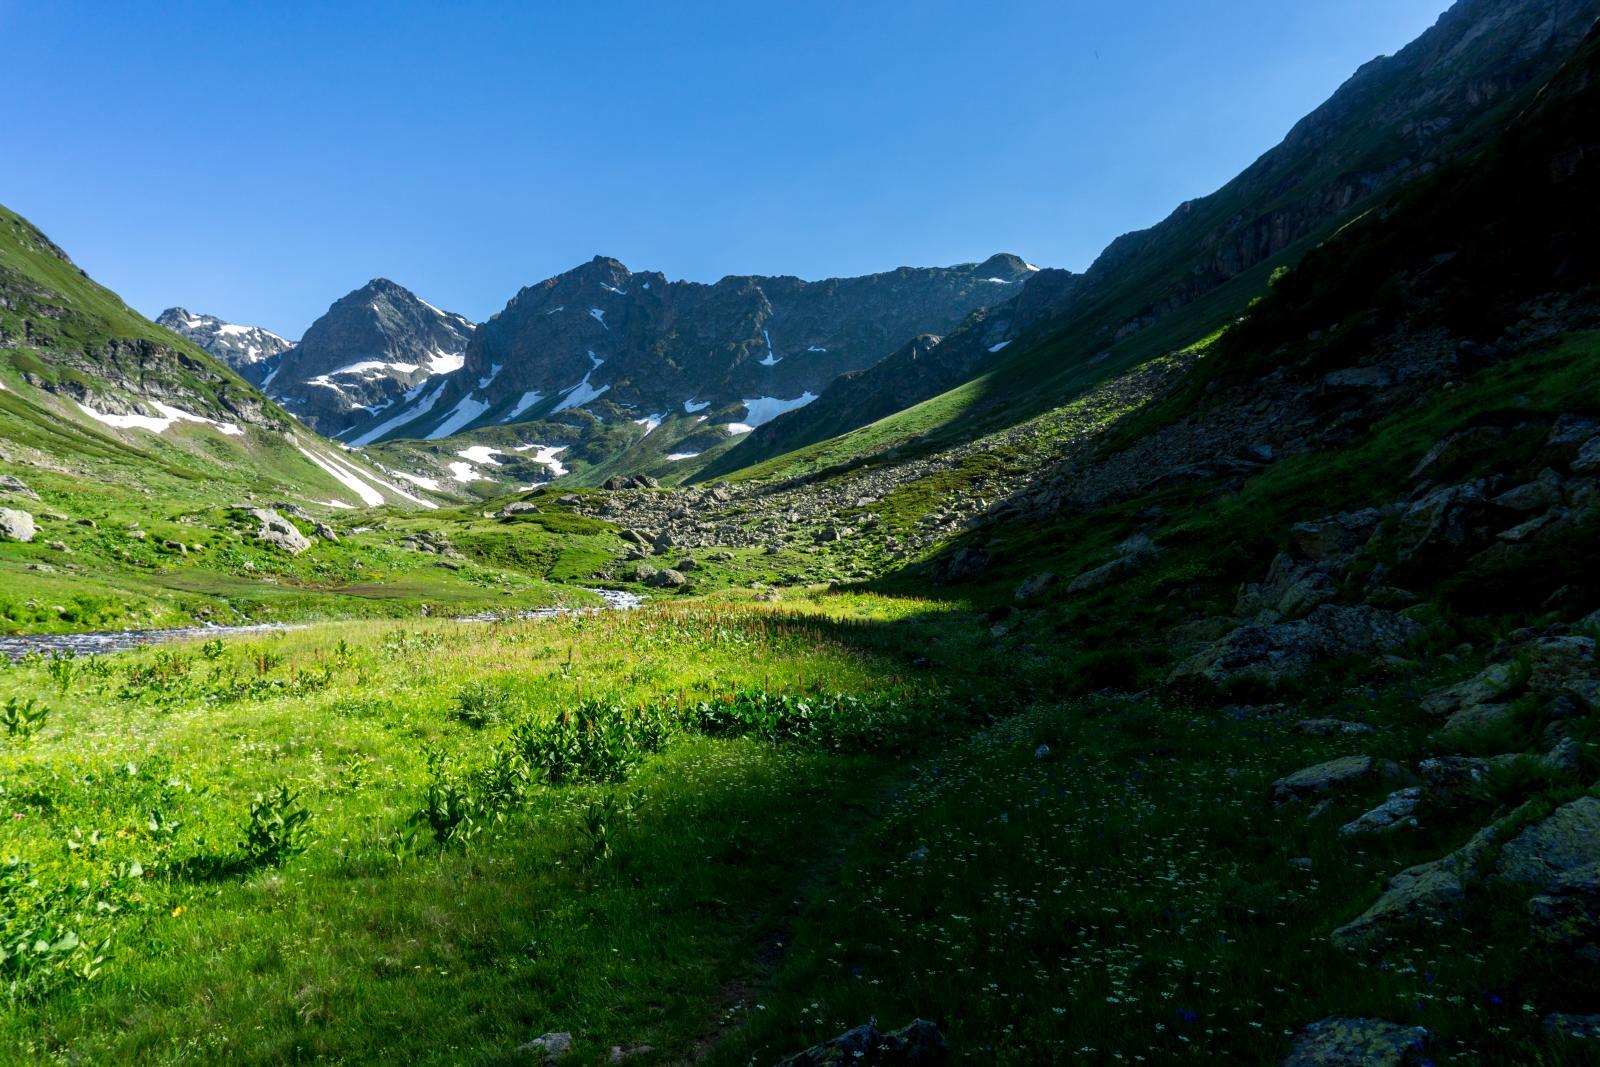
[{"x": 259, "y": 161}]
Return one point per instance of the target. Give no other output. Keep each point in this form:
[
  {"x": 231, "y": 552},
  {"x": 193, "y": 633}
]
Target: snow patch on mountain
[{"x": 763, "y": 409}]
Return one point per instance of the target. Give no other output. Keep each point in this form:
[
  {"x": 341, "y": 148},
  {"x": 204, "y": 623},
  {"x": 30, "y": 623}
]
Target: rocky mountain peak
[{"x": 251, "y": 350}]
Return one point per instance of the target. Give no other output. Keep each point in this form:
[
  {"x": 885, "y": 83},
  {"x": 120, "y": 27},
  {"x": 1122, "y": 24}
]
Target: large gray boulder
[
  {"x": 279, "y": 532},
  {"x": 16, "y": 525},
  {"x": 1344, "y": 1041},
  {"x": 1343, "y": 776},
  {"x": 1566, "y": 915}
]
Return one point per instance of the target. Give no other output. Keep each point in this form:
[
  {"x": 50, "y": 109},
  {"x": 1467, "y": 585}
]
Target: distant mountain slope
[
  {"x": 369, "y": 351},
  {"x": 250, "y": 350},
  {"x": 91, "y": 389},
  {"x": 1395, "y": 120},
  {"x": 627, "y": 346}
]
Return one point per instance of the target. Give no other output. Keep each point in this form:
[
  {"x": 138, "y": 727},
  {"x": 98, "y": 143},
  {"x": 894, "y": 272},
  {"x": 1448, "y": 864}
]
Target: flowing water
[{"x": 99, "y": 643}]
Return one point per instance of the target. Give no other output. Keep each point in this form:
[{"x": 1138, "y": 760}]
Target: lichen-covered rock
[
  {"x": 668, "y": 579},
  {"x": 1345, "y": 1041},
  {"x": 1542, "y": 853},
  {"x": 919, "y": 1043},
  {"x": 552, "y": 1048},
  {"x": 1567, "y": 914},
  {"x": 16, "y": 525}
]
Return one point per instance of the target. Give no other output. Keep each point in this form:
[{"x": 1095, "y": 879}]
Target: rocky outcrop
[
  {"x": 1342, "y": 776},
  {"x": 1280, "y": 651}
]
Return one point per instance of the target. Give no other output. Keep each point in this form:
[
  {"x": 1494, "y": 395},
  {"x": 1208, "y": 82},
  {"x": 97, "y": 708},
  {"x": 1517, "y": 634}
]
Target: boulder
[
  {"x": 1290, "y": 591},
  {"x": 866, "y": 1046},
  {"x": 1428, "y": 892},
  {"x": 279, "y": 532},
  {"x": 644, "y": 573},
  {"x": 1485, "y": 687},
  {"x": 1345, "y": 1041},
  {"x": 667, "y": 579},
  {"x": 1565, "y": 841},
  {"x": 1033, "y": 586},
  {"x": 327, "y": 533},
  {"x": 516, "y": 507},
  {"x": 16, "y": 525},
  {"x": 1342, "y": 776},
  {"x": 1398, "y": 812},
  {"x": 1588, "y": 459},
  {"x": 967, "y": 563},
  {"x": 1566, "y": 915}
]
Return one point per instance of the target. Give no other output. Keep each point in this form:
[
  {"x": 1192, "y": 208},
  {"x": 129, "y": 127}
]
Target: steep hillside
[
  {"x": 253, "y": 352},
  {"x": 375, "y": 348},
  {"x": 1153, "y": 290},
  {"x": 637, "y": 348}
]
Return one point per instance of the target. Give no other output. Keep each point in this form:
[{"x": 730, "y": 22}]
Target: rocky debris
[
  {"x": 1427, "y": 892},
  {"x": 619, "y": 482},
  {"x": 1568, "y": 1025},
  {"x": 552, "y": 1047},
  {"x": 1398, "y": 812},
  {"x": 15, "y": 486},
  {"x": 1034, "y": 586},
  {"x": 1452, "y": 780},
  {"x": 644, "y": 572},
  {"x": 1335, "y": 537},
  {"x": 1345, "y": 1041},
  {"x": 1136, "y": 552},
  {"x": 1566, "y": 914},
  {"x": 1278, "y": 651},
  {"x": 517, "y": 507},
  {"x": 1343, "y": 776},
  {"x": 619, "y": 1053},
  {"x": 919, "y": 1043},
  {"x": 327, "y": 533},
  {"x": 1289, "y": 591},
  {"x": 278, "y": 531},
  {"x": 1330, "y": 728},
  {"x": 16, "y": 525},
  {"x": 1565, "y": 841},
  {"x": 830, "y": 533}
]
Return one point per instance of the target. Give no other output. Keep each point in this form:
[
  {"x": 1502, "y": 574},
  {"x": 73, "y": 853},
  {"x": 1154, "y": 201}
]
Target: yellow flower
[{"x": 179, "y": 910}]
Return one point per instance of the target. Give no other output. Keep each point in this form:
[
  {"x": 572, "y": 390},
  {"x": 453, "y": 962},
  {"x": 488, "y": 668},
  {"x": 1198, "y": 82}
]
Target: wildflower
[{"x": 179, "y": 910}]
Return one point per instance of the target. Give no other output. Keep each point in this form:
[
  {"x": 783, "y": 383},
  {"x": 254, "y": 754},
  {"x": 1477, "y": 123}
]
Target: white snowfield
[
  {"x": 546, "y": 454},
  {"x": 417, "y": 479},
  {"x": 464, "y": 472},
  {"x": 690, "y": 407},
  {"x": 406, "y": 414},
  {"x": 650, "y": 422},
  {"x": 738, "y": 427},
  {"x": 466, "y": 410},
  {"x": 762, "y": 409},
  {"x": 583, "y": 392},
  {"x": 364, "y": 484},
  {"x": 998, "y": 347},
  {"x": 528, "y": 399},
  {"x": 480, "y": 454},
  {"x": 676, "y": 456},
  {"x": 169, "y": 415}
]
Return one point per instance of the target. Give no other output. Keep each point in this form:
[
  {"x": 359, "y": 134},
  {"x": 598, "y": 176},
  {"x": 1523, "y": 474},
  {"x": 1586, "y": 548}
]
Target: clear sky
[{"x": 257, "y": 161}]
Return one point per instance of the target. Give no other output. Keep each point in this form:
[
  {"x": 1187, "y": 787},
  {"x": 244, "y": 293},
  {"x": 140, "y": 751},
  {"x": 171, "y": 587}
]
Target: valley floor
[{"x": 716, "y": 830}]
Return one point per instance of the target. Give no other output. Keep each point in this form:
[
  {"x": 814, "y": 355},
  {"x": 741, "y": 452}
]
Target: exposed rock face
[
  {"x": 636, "y": 346},
  {"x": 373, "y": 348},
  {"x": 1343, "y": 1041},
  {"x": 1566, "y": 915},
  {"x": 250, "y": 350},
  {"x": 16, "y": 525},
  {"x": 919, "y": 1043}
]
